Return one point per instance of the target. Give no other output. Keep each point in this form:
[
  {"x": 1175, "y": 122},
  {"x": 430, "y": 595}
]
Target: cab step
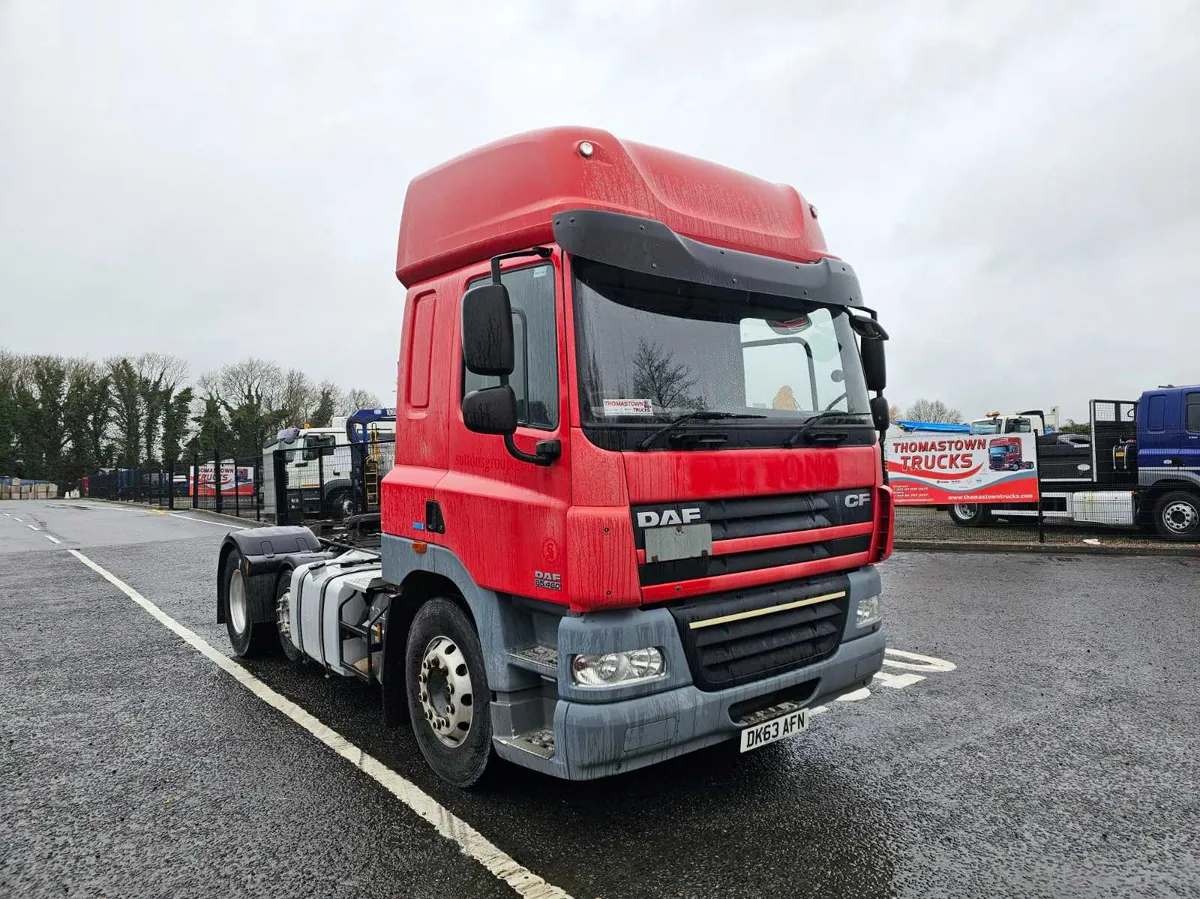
[
  {"x": 537, "y": 742},
  {"x": 541, "y": 660}
]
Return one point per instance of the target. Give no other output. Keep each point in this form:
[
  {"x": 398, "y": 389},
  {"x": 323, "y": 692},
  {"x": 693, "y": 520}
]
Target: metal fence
[
  {"x": 287, "y": 486},
  {"x": 227, "y": 486},
  {"x": 157, "y": 486}
]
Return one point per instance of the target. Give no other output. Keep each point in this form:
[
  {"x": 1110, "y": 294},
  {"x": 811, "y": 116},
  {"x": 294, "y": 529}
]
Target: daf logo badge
[{"x": 666, "y": 517}]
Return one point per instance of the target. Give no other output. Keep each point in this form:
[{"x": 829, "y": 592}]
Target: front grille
[
  {"x": 740, "y": 637},
  {"x": 760, "y": 516},
  {"x": 708, "y": 566}
]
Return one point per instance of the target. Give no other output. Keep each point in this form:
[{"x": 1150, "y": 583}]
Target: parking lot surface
[{"x": 1035, "y": 733}]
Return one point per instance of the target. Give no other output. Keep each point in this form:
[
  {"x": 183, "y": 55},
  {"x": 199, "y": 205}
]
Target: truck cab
[
  {"x": 638, "y": 492},
  {"x": 1033, "y": 422},
  {"x": 1167, "y": 450}
]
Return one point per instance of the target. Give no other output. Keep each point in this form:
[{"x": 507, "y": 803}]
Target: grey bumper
[{"x": 600, "y": 734}]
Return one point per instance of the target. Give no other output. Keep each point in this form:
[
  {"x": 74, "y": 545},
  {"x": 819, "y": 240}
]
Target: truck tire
[
  {"x": 1177, "y": 516},
  {"x": 245, "y": 600},
  {"x": 448, "y": 694},
  {"x": 283, "y": 616},
  {"x": 970, "y": 515},
  {"x": 339, "y": 505}
]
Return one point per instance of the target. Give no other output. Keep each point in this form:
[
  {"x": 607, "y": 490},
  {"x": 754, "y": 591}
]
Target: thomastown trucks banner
[
  {"x": 935, "y": 469},
  {"x": 245, "y": 480}
]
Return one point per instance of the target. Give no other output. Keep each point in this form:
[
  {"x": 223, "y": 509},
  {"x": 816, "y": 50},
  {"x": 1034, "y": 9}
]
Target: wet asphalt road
[{"x": 1060, "y": 757}]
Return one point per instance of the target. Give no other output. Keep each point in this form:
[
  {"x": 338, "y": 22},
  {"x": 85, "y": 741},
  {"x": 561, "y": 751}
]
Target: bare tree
[
  {"x": 932, "y": 411},
  {"x": 657, "y": 377},
  {"x": 357, "y": 398},
  {"x": 297, "y": 400},
  {"x": 250, "y": 393}
]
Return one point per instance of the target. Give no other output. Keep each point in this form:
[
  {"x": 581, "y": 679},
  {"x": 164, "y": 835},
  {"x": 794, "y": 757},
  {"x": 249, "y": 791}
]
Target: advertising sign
[
  {"x": 244, "y": 480},
  {"x": 932, "y": 469}
]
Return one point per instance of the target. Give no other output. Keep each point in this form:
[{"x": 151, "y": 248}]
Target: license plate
[{"x": 775, "y": 729}]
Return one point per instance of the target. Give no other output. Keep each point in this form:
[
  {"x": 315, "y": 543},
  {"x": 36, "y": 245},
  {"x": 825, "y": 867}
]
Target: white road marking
[
  {"x": 32, "y": 528},
  {"x": 862, "y": 693},
  {"x": 51, "y": 539},
  {"x": 116, "y": 508},
  {"x": 897, "y": 681},
  {"x": 523, "y": 881},
  {"x": 915, "y": 662},
  {"x": 220, "y": 524},
  {"x": 14, "y": 518}
]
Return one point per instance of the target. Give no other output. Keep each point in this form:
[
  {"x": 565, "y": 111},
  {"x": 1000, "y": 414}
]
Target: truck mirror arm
[{"x": 545, "y": 453}]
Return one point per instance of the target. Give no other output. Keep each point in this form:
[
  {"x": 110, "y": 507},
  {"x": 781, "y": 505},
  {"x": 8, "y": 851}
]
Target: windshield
[
  {"x": 651, "y": 349},
  {"x": 985, "y": 426}
]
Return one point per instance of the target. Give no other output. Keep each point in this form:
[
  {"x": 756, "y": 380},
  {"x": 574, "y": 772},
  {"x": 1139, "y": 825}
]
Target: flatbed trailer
[{"x": 1140, "y": 468}]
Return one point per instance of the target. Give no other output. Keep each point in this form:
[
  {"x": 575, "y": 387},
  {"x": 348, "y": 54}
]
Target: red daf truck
[{"x": 638, "y": 492}]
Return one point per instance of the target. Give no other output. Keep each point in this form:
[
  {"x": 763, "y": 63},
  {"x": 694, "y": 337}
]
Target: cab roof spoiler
[{"x": 649, "y": 247}]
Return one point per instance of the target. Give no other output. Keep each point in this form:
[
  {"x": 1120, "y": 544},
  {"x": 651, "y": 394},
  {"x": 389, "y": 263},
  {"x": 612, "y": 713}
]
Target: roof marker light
[{"x": 586, "y": 149}]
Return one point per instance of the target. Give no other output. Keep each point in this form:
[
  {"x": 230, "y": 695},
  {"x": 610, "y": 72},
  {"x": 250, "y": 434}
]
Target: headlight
[
  {"x": 618, "y": 669},
  {"x": 869, "y": 611}
]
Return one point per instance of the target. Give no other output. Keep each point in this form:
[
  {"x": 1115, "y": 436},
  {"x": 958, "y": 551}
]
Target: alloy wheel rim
[{"x": 446, "y": 693}]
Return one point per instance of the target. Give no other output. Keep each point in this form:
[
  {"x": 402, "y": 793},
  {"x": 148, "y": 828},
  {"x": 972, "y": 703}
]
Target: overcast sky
[{"x": 1019, "y": 190}]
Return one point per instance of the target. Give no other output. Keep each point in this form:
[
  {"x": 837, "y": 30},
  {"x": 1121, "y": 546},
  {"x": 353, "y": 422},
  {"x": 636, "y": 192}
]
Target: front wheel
[
  {"x": 1177, "y": 516},
  {"x": 969, "y": 515},
  {"x": 448, "y": 694}
]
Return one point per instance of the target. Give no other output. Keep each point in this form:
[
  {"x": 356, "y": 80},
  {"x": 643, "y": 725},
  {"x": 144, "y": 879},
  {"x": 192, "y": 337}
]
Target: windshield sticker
[{"x": 627, "y": 407}]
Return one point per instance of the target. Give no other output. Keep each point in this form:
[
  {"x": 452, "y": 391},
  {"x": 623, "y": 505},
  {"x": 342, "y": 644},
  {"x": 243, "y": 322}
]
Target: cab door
[
  {"x": 504, "y": 518},
  {"x": 1190, "y": 437}
]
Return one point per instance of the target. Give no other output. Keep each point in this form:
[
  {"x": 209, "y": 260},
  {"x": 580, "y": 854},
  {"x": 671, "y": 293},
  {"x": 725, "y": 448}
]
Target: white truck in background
[{"x": 317, "y": 467}]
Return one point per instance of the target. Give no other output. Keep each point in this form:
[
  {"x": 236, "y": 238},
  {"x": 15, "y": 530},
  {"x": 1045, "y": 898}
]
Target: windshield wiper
[
  {"x": 809, "y": 424},
  {"x": 699, "y": 415}
]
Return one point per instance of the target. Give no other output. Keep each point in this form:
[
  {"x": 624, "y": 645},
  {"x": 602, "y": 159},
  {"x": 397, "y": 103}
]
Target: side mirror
[
  {"x": 880, "y": 414},
  {"x": 874, "y": 364},
  {"x": 487, "y": 332},
  {"x": 872, "y": 336},
  {"x": 492, "y": 410}
]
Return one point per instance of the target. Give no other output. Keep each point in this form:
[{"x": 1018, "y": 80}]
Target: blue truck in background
[{"x": 1140, "y": 467}]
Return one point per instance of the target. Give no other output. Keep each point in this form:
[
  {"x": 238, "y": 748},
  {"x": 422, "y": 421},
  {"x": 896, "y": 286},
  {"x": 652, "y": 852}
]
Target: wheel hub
[
  {"x": 1180, "y": 517},
  {"x": 238, "y": 615},
  {"x": 283, "y": 615},
  {"x": 445, "y": 691},
  {"x": 965, "y": 510}
]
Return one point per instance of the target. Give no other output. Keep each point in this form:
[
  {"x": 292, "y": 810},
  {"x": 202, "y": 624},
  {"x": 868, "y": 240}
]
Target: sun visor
[{"x": 651, "y": 248}]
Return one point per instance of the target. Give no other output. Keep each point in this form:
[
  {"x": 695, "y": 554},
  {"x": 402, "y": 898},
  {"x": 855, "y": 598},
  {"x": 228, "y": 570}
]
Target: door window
[
  {"x": 535, "y": 346},
  {"x": 1193, "y": 413},
  {"x": 1157, "y": 413}
]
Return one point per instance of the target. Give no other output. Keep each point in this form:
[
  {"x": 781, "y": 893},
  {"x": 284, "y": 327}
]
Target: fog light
[
  {"x": 869, "y": 611},
  {"x": 618, "y": 669}
]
